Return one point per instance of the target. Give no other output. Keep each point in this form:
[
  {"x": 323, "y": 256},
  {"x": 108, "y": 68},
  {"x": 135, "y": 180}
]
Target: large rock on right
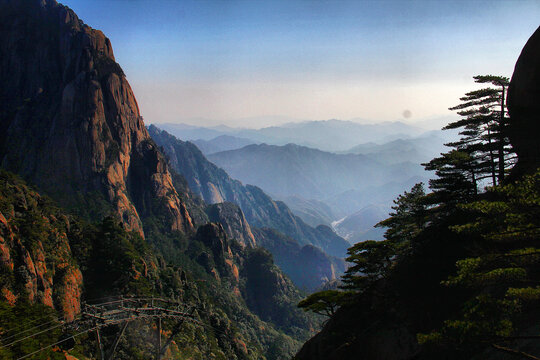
[{"x": 524, "y": 107}]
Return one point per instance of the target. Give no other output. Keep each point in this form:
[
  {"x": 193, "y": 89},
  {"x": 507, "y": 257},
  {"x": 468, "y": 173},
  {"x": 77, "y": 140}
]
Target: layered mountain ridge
[
  {"x": 327, "y": 135},
  {"x": 311, "y": 173},
  {"x": 271, "y": 223},
  {"x": 214, "y": 185}
]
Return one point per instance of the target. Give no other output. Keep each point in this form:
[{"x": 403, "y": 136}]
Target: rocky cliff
[
  {"x": 70, "y": 122},
  {"x": 214, "y": 185},
  {"x": 233, "y": 220},
  {"x": 35, "y": 255},
  {"x": 524, "y": 106},
  {"x": 307, "y": 266}
]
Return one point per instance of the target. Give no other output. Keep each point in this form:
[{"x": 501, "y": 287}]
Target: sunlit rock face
[
  {"x": 234, "y": 222},
  {"x": 70, "y": 121},
  {"x": 36, "y": 262},
  {"x": 524, "y": 106}
]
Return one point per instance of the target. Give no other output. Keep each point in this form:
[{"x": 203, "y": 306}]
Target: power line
[
  {"x": 30, "y": 336},
  {"x": 28, "y": 323},
  {"x": 27, "y": 330},
  {"x": 109, "y": 316},
  {"x": 57, "y": 343}
]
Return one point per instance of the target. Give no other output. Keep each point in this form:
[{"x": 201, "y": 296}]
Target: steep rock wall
[
  {"x": 70, "y": 122},
  {"x": 524, "y": 106}
]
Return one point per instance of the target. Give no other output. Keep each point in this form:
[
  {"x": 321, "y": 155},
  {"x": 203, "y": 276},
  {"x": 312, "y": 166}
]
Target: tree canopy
[{"x": 471, "y": 243}]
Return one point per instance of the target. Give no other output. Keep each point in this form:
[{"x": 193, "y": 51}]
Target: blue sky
[{"x": 233, "y": 62}]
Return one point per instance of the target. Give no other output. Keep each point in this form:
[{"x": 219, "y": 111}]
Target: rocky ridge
[
  {"x": 233, "y": 220},
  {"x": 214, "y": 185},
  {"x": 73, "y": 128},
  {"x": 524, "y": 106},
  {"x": 71, "y": 124}
]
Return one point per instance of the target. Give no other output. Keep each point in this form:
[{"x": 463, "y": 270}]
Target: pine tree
[
  {"x": 458, "y": 175},
  {"x": 503, "y": 279},
  {"x": 483, "y": 123},
  {"x": 371, "y": 260}
]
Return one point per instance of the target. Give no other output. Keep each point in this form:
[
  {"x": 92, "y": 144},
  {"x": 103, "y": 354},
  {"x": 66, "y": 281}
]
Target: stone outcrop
[
  {"x": 221, "y": 261},
  {"x": 35, "y": 255},
  {"x": 524, "y": 106},
  {"x": 234, "y": 222},
  {"x": 70, "y": 122}
]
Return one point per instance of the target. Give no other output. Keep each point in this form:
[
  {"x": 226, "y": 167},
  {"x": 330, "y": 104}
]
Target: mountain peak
[{"x": 71, "y": 123}]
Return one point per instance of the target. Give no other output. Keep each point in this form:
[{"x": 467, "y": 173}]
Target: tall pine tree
[
  {"x": 483, "y": 120},
  {"x": 483, "y": 154}
]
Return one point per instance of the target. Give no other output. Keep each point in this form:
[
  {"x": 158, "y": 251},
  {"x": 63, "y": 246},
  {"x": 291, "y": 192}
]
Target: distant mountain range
[
  {"x": 417, "y": 150},
  {"x": 328, "y": 135},
  {"x": 214, "y": 185},
  {"x": 366, "y": 166},
  {"x": 293, "y": 170},
  {"x": 221, "y": 143}
]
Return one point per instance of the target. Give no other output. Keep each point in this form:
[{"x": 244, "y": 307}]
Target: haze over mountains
[
  {"x": 326, "y": 135},
  {"x": 106, "y": 223},
  {"x": 297, "y": 170},
  {"x": 324, "y": 171},
  {"x": 277, "y": 228}
]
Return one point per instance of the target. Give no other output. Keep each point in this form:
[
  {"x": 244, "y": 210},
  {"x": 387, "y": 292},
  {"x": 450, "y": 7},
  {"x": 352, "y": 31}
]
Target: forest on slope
[{"x": 457, "y": 274}]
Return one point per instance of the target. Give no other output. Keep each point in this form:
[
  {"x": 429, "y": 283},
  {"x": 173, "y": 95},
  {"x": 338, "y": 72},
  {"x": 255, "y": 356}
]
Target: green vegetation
[
  {"x": 236, "y": 322},
  {"x": 13, "y": 330},
  {"x": 503, "y": 277},
  {"x": 483, "y": 151},
  {"x": 459, "y": 266}
]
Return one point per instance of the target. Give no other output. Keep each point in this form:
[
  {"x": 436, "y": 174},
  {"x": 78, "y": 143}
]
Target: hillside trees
[
  {"x": 483, "y": 154},
  {"x": 474, "y": 250},
  {"x": 504, "y": 275},
  {"x": 372, "y": 260}
]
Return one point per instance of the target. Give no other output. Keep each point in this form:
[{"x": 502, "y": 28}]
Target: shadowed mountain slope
[
  {"x": 313, "y": 174},
  {"x": 215, "y": 185}
]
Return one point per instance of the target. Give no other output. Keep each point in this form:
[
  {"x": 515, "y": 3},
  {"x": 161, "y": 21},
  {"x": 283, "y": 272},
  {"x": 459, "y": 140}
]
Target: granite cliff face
[
  {"x": 71, "y": 125},
  {"x": 70, "y": 122},
  {"x": 36, "y": 261},
  {"x": 524, "y": 106},
  {"x": 233, "y": 221}
]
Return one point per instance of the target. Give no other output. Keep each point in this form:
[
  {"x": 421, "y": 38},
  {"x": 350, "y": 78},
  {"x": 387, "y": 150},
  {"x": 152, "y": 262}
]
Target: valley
[
  {"x": 208, "y": 231},
  {"x": 323, "y": 187}
]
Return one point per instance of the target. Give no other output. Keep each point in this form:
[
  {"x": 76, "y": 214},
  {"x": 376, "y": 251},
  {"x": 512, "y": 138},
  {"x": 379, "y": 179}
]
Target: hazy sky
[{"x": 376, "y": 60}]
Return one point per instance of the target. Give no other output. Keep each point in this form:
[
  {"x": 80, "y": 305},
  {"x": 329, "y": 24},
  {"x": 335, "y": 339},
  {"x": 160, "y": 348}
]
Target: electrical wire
[
  {"x": 57, "y": 343},
  {"x": 30, "y": 336},
  {"x": 28, "y": 323},
  {"x": 188, "y": 318},
  {"x": 27, "y": 330}
]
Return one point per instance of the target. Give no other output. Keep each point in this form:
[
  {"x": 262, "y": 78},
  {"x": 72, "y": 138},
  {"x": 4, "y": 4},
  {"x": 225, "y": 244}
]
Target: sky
[{"x": 259, "y": 63}]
